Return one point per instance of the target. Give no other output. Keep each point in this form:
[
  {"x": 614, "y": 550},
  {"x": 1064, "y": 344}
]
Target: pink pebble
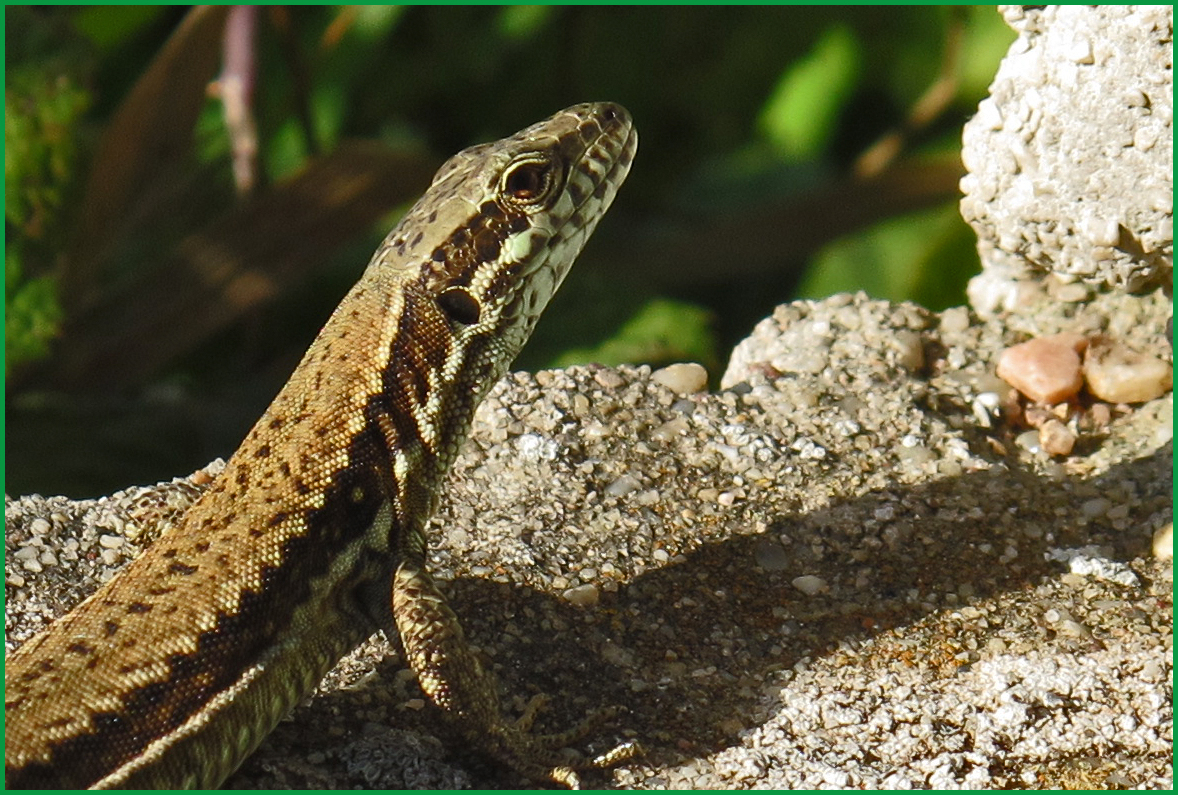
[{"x": 1045, "y": 369}]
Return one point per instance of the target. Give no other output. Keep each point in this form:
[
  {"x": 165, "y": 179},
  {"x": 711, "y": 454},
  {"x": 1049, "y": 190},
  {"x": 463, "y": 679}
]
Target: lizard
[{"x": 312, "y": 537}]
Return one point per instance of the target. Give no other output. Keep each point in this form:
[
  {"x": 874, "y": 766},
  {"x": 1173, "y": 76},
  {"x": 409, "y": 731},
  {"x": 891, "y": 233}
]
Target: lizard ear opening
[{"x": 459, "y": 306}]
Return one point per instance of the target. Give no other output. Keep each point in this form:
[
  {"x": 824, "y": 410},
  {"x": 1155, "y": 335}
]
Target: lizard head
[{"x": 497, "y": 231}]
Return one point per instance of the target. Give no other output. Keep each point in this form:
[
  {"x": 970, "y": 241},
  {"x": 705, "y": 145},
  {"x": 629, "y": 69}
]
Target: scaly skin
[{"x": 312, "y": 537}]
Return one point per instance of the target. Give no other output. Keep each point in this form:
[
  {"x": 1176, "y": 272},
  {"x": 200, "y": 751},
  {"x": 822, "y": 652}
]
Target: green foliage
[
  {"x": 523, "y": 22},
  {"x": 986, "y": 40},
  {"x": 110, "y": 28},
  {"x": 802, "y": 111},
  {"x": 32, "y": 313},
  {"x": 661, "y": 332},
  {"x": 41, "y": 113},
  {"x": 926, "y": 256}
]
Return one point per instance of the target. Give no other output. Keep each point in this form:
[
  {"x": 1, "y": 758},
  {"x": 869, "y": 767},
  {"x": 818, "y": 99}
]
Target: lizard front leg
[{"x": 452, "y": 677}]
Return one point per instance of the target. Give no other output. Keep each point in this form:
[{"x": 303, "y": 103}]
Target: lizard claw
[
  {"x": 540, "y": 757},
  {"x": 567, "y": 776}
]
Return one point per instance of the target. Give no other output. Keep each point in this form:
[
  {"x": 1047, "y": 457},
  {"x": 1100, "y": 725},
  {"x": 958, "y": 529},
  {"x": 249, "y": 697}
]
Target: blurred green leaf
[
  {"x": 374, "y": 23},
  {"x": 110, "y": 27},
  {"x": 661, "y": 332},
  {"x": 522, "y": 22},
  {"x": 926, "y": 256},
  {"x": 805, "y": 106},
  {"x": 987, "y": 38},
  {"x": 339, "y": 59},
  {"x": 32, "y": 313},
  {"x": 286, "y": 150}
]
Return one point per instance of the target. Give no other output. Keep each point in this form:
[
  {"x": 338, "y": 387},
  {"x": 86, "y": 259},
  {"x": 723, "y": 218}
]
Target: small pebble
[
  {"x": 1055, "y": 438},
  {"x": 669, "y": 430},
  {"x": 809, "y": 584},
  {"x": 683, "y": 379},
  {"x": 1029, "y": 441},
  {"x": 1045, "y": 369},
  {"x": 26, "y": 553},
  {"x": 648, "y": 497},
  {"x": 1073, "y": 628},
  {"x": 610, "y": 379},
  {"x": 911, "y": 349},
  {"x": 202, "y": 477},
  {"x": 1035, "y": 414},
  {"x": 1119, "y": 374},
  {"x": 583, "y": 595},
  {"x": 955, "y": 320},
  {"x": 623, "y": 486},
  {"x": 581, "y": 405},
  {"x": 1072, "y": 293},
  {"x": 1098, "y": 416},
  {"x": 1163, "y": 543}
]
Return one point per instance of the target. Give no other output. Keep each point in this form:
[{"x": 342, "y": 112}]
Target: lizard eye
[
  {"x": 530, "y": 182},
  {"x": 459, "y": 306}
]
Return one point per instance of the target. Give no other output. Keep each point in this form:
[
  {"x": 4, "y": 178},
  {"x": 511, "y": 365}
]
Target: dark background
[{"x": 156, "y": 299}]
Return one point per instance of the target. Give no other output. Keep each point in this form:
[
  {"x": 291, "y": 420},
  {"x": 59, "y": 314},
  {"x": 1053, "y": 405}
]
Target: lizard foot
[{"x": 545, "y": 757}]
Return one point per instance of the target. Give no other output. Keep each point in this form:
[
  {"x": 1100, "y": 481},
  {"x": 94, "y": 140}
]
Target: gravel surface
[{"x": 850, "y": 575}]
